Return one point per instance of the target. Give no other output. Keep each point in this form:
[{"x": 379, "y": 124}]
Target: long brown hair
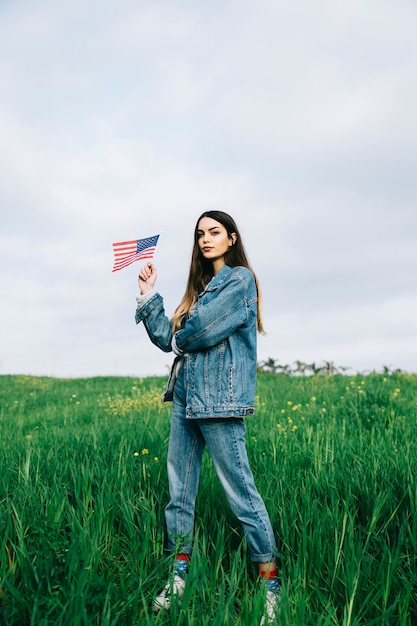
[{"x": 201, "y": 270}]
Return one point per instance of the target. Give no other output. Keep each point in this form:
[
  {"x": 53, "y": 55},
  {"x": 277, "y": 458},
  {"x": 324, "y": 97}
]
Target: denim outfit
[{"x": 214, "y": 389}]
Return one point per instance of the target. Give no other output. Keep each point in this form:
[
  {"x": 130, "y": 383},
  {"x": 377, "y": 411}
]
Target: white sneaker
[
  {"x": 174, "y": 587},
  {"x": 271, "y": 607}
]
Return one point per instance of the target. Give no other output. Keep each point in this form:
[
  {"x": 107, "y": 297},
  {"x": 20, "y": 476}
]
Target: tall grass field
[{"x": 83, "y": 487}]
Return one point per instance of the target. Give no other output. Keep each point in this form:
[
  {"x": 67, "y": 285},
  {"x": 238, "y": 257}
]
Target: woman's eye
[{"x": 212, "y": 232}]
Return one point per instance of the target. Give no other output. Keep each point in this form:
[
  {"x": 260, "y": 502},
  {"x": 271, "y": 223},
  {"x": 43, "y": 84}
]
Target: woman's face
[{"x": 213, "y": 241}]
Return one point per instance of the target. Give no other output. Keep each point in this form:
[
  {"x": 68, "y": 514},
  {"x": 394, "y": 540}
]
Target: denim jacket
[{"x": 217, "y": 342}]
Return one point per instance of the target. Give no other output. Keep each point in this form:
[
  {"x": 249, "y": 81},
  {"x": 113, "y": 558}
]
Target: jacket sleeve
[
  {"x": 211, "y": 323},
  {"x": 157, "y": 324}
]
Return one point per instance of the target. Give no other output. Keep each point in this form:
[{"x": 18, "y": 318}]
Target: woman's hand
[{"x": 147, "y": 278}]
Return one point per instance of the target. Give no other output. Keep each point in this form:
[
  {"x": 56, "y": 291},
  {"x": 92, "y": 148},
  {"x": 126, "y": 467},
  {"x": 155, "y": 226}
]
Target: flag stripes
[{"x": 127, "y": 252}]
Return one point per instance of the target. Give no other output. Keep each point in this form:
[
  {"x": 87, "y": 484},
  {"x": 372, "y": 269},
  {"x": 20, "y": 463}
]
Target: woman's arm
[
  {"x": 213, "y": 322},
  {"x": 150, "y": 310}
]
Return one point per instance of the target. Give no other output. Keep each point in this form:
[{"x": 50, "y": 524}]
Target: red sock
[
  {"x": 183, "y": 557},
  {"x": 269, "y": 574}
]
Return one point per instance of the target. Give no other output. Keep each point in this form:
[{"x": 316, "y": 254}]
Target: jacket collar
[{"x": 219, "y": 278}]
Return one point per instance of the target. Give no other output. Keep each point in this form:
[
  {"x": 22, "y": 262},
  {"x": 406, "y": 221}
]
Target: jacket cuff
[
  {"x": 141, "y": 298},
  {"x": 145, "y": 304},
  {"x": 176, "y": 350}
]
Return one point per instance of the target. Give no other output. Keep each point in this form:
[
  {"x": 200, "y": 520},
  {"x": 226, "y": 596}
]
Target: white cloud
[
  {"x": 297, "y": 118},
  {"x": 360, "y": 336}
]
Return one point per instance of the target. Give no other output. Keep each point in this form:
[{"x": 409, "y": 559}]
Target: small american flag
[{"x": 127, "y": 252}]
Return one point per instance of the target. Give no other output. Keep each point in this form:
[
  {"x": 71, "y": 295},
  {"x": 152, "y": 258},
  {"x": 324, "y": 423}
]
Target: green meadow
[{"x": 83, "y": 487}]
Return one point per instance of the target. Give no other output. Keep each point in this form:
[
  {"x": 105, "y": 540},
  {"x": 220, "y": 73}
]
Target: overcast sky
[{"x": 123, "y": 119}]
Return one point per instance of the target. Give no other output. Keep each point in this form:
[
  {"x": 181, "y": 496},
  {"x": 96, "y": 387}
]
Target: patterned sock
[
  {"x": 181, "y": 565},
  {"x": 271, "y": 578},
  {"x": 273, "y": 585}
]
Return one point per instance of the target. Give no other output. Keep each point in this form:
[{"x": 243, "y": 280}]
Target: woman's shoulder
[
  {"x": 230, "y": 274},
  {"x": 238, "y": 274},
  {"x": 242, "y": 272}
]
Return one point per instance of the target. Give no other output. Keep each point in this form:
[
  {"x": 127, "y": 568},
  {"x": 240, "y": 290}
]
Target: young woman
[{"x": 212, "y": 386}]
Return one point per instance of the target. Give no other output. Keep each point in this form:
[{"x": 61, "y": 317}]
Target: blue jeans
[{"x": 225, "y": 440}]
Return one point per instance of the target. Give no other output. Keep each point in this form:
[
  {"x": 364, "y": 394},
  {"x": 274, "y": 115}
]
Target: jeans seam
[
  {"x": 242, "y": 473},
  {"x": 186, "y": 484}
]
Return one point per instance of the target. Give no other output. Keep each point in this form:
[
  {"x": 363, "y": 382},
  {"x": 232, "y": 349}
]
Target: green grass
[{"x": 83, "y": 487}]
